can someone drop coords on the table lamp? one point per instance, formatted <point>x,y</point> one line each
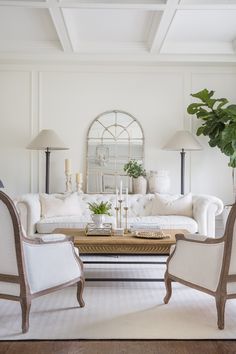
<point>47,140</point>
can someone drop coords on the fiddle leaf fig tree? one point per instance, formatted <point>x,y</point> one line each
<point>218,122</point>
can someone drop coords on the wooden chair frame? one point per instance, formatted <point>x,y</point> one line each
<point>221,292</point>
<point>26,296</point>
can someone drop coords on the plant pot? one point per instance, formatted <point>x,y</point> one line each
<point>98,219</point>
<point>159,181</point>
<point>139,185</point>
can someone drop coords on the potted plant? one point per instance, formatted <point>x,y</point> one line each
<point>99,210</point>
<point>219,124</point>
<point>136,171</point>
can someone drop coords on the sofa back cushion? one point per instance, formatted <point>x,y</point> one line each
<point>173,205</point>
<point>59,205</point>
<point>139,205</point>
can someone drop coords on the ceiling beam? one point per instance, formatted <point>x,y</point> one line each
<point>157,38</point>
<point>148,5</point>
<point>126,5</point>
<point>207,7</point>
<point>60,25</point>
<point>20,3</point>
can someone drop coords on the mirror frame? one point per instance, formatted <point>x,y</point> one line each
<point>115,111</point>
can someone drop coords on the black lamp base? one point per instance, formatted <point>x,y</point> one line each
<point>182,154</point>
<point>47,152</point>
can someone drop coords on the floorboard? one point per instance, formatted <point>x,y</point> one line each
<point>118,347</point>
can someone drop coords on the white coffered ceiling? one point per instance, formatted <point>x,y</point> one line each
<point>119,30</point>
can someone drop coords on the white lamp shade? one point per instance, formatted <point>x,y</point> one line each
<point>183,139</point>
<point>47,139</point>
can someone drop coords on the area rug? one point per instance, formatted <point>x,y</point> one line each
<point>120,310</point>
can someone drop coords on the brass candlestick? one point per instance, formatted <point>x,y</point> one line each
<point>120,208</point>
<point>126,219</point>
<point>117,216</point>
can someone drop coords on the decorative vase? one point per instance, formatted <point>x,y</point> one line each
<point>98,219</point>
<point>139,185</point>
<point>159,181</point>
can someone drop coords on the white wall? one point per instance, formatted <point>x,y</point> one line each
<point>67,98</point>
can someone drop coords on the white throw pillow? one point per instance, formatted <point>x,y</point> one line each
<point>59,205</point>
<point>173,205</point>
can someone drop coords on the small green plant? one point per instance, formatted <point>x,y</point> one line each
<point>100,208</point>
<point>134,169</point>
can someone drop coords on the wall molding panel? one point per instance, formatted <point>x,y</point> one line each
<point>68,97</point>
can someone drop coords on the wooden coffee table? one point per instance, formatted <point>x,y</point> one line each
<point>126,244</point>
<point>122,245</point>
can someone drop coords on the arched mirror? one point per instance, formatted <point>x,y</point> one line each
<point>114,137</point>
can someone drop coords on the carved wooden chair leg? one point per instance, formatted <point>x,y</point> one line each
<point>168,289</point>
<point>80,288</point>
<point>25,308</point>
<point>220,306</point>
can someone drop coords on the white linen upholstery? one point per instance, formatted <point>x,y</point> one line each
<point>9,288</point>
<point>207,265</point>
<point>196,237</point>
<point>190,262</point>
<point>8,264</point>
<point>31,268</point>
<point>165,204</point>
<point>232,266</point>
<point>205,208</point>
<point>49,265</point>
<point>59,205</point>
<point>48,225</point>
<point>54,237</point>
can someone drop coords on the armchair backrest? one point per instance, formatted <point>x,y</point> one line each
<point>11,262</point>
<point>230,243</point>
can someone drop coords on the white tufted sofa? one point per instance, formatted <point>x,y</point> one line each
<point>205,208</point>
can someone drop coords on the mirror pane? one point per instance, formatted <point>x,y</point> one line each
<point>113,139</point>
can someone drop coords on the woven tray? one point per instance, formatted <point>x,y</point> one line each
<point>151,234</point>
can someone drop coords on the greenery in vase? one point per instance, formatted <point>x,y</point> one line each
<point>100,208</point>
<point>218,122</point>
<point>134,169</point>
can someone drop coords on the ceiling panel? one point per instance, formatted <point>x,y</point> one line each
<point>202,30</point>
<point>107,26</point>
<point>18,23</point>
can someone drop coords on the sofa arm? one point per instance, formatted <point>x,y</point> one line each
<point>29,209</point>
<point>205,209</point>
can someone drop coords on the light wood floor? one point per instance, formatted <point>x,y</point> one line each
<point>118,347</point>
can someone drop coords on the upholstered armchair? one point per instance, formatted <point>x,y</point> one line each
<point>31,268</point>
<point>206,264</point>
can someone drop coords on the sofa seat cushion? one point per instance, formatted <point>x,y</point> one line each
<point>168,222</point>
<point>48,225</point>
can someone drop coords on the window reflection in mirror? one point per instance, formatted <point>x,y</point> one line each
<point>114,138</point>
